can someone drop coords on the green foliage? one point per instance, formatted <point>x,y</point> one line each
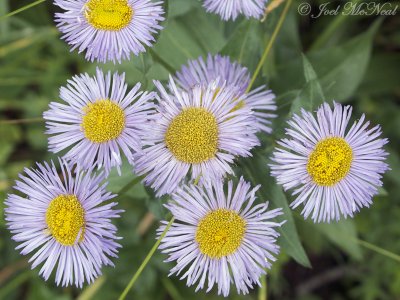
<point>357,67</point>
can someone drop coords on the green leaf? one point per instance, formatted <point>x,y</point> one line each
<point>176,45</point>
<point>343,234</point>
<point>383,74</point>
<point>309,72</point>
<point>255,170</point>
<point>209,36</point>
<point>245,46</point>
<point>182,39</point>
<point>180,7</point>
<point>311,96</point>
<point>341,69</point>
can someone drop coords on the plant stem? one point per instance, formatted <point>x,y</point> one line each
<point>130,185</point>
<point>21,9</point>
<point>379,250</point>
<point>270,43</point>
<point>161,61</point>
<point>262,291</point>
<point>146,261</point>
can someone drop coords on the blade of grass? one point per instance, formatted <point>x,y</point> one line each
<point>270,43</point>
<point>379,250</point>
<point>145,261</point>
<point>21,9</point>
<point>4,27</point>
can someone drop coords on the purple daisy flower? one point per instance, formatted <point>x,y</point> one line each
<point>231,9</point>
<point>109,30</point>
<point>221,69</point>
<point>334,171</point>
<point>98,119</point>
<point>65,220</point>
<point>195,134</point>
<point>221,238</point>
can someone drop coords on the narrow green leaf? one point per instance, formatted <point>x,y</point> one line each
<point>180,7</point>
<point>309,72</point>
<point>311,96</point>
<point>255,170</point>
<point>379,250</point>
<point>339,233</point>
<point>21,9</point>
<point>4,25</point>
<point>383,74</point>
<point>209,36</point>
<point>176,45</point>
<point>245,43</point>
<point>341,69</point>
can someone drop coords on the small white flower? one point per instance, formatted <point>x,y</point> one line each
<point>196,134</point>
<point>334,172</point>
<point>220,238</point>
<point>100,118</point>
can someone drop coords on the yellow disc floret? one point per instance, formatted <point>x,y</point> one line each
<point>220,233</point>
<point>192,136</point>
<point>65,218</point>
<point>112,15</point>
<point>103,121</point>
<point>330,161</point>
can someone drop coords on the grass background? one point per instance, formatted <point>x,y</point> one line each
<point>350,59</point>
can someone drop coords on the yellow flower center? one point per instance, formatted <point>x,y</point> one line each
<point>103,121</point>
<point>220,233</point>
<point>330,161</point>
<point>112,15</point>
<point>65,218</point>
<point>192,136</point>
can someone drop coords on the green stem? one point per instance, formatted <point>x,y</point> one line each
<point>146,261</point>
<point>21,9</point>
<point>161,61</point>
<point>379,250</point>
<point>22,121</point>
<point>270,43</point>
<point>129,185</point>
<point>262,291</point>
<point>329,31</point>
